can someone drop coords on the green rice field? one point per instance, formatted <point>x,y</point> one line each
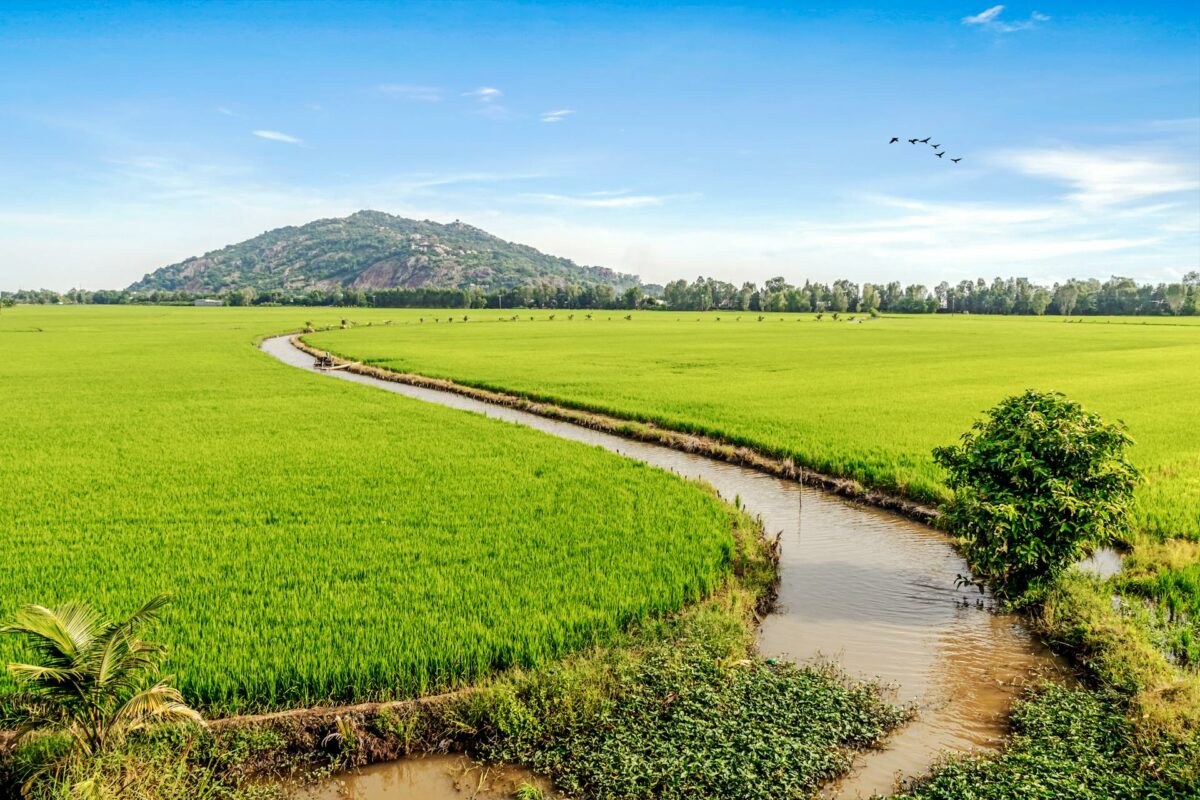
<point>322,541</point>
<point>867,398</point>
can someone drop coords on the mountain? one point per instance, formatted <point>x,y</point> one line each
<point>374,250</point>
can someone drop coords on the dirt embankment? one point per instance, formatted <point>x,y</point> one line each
<point>649,432</point>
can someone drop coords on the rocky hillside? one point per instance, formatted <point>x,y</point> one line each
<point>374,250</point>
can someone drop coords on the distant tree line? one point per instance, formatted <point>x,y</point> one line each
<point>543,295</point>
<point>1114,297</point>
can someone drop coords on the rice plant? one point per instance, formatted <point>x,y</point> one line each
<point>322,542</point>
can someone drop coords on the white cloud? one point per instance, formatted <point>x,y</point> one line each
<point>989,19</point>
<point>405,91</point>
<point>488,102</point>
<point>419,183</point>
<point>227,112</point>
<point>485,94</point>
<point>1105,178</point>
<point>605,199</point>
<point>984,17</point>
<point>557,116</point>
<point>276,136</point>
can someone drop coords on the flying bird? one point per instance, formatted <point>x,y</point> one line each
<point>912,141</point>
<point>894,140</point>
<point>939,155</point>
<point>956,160</point>
<point>935,146</point>
<point>925,140</point>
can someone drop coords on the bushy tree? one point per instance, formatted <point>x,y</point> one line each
<point>1035,484</point>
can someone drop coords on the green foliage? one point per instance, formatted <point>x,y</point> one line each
<point>528,791</point>
<point>1036,483</point>
<point>681,723</point>
<point>1067,745</point>
<point>368,250</point>
<point>142,769</point>
<point>92,682</point>
<point>324,541</point>
<point>1113,638</point>
<point>1168,574</point>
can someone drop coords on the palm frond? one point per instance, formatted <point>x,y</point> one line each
<point>59,635</point>
<point>112,658</point>
<point>161,704</point>
<point>30,673</point>
<point>90,680</point>
<point>148,612</point>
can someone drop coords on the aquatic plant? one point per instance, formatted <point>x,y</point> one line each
<point>1067,743</point>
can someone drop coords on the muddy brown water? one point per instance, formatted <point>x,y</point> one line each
<point>437,777</point>
<point>867,589</point>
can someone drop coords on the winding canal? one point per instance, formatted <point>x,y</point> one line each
<point>868,589</point>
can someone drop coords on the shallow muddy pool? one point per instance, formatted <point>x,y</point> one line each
<point>438,777</point>
<point>870,590</point>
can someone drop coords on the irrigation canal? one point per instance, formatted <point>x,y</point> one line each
<point>871,590</point>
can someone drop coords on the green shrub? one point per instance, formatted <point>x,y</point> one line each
<point>678,724</point>
<point>1035,484</point>
<point>1066,745</point>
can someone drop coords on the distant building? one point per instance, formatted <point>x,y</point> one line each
<point>207,301</point>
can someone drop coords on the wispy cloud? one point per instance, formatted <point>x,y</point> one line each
<point>227,112</point>
<point>488,104</point>
<point>485,94</point>
<point>1106,178</point>
<point>276,136</point>
<point>989,19</point>
<point>603,199</point>
<point>421,183</point>
<point>408,91</point>
<point>984,17</point>
<point>557,116</point>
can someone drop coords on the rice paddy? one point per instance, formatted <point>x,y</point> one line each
<point>866,399</point>
<point>323,542</point>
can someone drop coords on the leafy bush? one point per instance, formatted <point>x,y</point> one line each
<point>1066,744</point>
<point>1035,484</point>
<point>680,723</point>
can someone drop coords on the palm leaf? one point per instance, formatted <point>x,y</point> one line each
<point>60,636</point>
<point>161,703</point>
<point>34,673</point>
<point>147,613</point>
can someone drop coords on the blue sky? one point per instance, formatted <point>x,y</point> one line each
<point>670,141</point>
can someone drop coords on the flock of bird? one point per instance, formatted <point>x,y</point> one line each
<point>935,147</point>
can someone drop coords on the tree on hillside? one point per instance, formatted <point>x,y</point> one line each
<point>1036,483</point>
